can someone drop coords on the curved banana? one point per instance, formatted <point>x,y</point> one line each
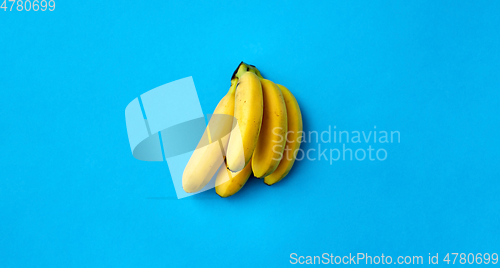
<point>272,137</point>
<point>247,121</point>
<point>209,154</point>
<point>293,138</point>
<point>228,182</point>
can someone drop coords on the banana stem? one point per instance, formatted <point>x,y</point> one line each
<point>255,71</point>
<point>234,83</point>
<point>240,70</point>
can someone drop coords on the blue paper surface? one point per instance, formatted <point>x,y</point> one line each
<point>72,194</point>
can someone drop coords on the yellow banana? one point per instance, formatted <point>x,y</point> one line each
<point>294,134</point>
<point>228,182</point>
<point>272,137</point>
<point>209,154</point>
<point>293,138</point>
<point>247,121</point>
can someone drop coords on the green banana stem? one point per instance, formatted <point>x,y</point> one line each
<point>240,70</point>
<point>255,71</point>
<point>243,68</point>
<point>234,83</point>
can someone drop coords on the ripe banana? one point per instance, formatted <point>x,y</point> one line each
<point>256,127</point>
<point>272,137</point>
<point>294,134</point>
<point>209,154</point>
<point>247,121</point>
<point>228,182</point>
<point>293,140</point>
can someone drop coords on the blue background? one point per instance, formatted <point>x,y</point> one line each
<point>72,195</point>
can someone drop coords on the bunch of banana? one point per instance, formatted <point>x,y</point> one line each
<point>256,128</point>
